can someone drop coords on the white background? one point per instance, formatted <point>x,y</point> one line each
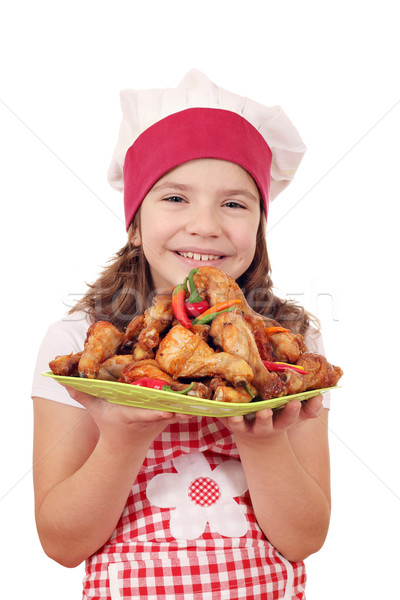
<point>333,234</point>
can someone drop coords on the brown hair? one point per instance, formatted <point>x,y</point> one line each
<point>124,288</point>
<point>257,285</point>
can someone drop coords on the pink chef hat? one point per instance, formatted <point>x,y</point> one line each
<point>162,129</point>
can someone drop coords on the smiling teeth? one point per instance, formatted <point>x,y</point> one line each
<point>196,256</point>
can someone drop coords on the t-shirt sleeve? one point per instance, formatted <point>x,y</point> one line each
<point>66,336</point>
<point>314,343</point>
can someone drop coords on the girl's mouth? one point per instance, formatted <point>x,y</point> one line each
<point>202,257</point>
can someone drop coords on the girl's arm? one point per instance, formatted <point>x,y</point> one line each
<point>85,462</point>
<point>286,460</point>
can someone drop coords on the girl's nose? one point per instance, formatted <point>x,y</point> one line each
<point>205,222</point>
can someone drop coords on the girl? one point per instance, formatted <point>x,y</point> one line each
<point>165,505</point>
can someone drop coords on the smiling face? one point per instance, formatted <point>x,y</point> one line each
<point>203,212</point>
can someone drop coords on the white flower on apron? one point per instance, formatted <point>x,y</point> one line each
<point>200,495</point>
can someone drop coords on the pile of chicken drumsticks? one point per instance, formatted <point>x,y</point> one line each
<point>228,352</point>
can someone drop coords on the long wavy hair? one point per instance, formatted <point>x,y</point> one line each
<point>124,288</point>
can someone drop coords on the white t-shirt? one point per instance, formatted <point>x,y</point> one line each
<point>63,337</point>
<point>69,334</point>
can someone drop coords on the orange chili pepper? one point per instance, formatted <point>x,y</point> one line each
<point>272,330</point>
<point>221,306</point>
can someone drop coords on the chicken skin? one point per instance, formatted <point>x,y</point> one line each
<point>215,286</point>
<point>257,326</point>
<point>111,369</point>
<point>139,354</point>
<point>283,346</point>
<point>287,346</point>
<point>102,341</point>
<point>319,372</point>
<point>157,318</point>
<point>66,365</point>
<point>133,329</point>
<point>184,354</point>
<point>151,369</point>
<point>231,333</point>
<point>225,393</point>
<point>144,368</point>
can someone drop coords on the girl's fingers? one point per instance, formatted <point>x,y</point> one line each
<point>85,399</point>
<point>312,407</point>
<point>182,416</point>
<point>264,416</point>
<point>127,413</point>
<point>263,423</point>
<point>266,422</point>
<point>287,416</point>
<point>236,424</point>
<point>259,423</point>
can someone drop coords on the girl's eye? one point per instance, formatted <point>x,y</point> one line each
<point>233,204</point>
<point>174,199</point>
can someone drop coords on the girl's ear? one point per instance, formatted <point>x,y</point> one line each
<point>136,239</point>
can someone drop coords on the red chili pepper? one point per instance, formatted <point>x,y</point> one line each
<point>160,384</point>
<point>281,366</point>
<point>195,305</point>
<point>196,309</point>
<point>149,382</point>
<point>178,305</point>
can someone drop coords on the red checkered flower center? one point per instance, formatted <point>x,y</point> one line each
<point>204,491</point>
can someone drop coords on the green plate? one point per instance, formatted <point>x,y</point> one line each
<point>133,395</point>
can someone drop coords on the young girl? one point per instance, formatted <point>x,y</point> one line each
<point>164,505</point>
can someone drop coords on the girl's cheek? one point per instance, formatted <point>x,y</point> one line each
<point>246,239</point>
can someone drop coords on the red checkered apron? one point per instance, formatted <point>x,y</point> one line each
<point>144,559</point>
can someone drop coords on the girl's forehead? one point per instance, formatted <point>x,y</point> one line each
<point>208,170</point>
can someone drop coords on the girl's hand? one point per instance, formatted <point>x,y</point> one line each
<point>119,421</point>
<point>269,424</point>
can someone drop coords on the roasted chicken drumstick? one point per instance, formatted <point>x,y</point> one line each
<point>102,341</point>
<point>231,333</point>
<point>216,286</point>
<point>151,369</point>
<point>67,364</point>
<point>156,319</point>
<point>184,354</point>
